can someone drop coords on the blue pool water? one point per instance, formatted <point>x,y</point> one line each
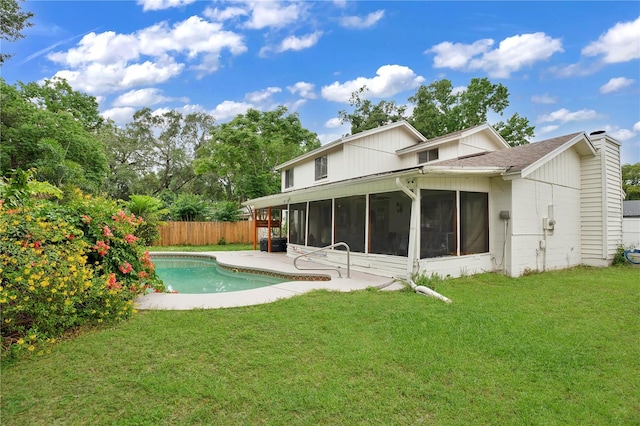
<point>199,276</point>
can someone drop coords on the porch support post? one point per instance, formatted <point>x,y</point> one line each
<point>255,228</point>
<point>269,230</point>
<point>414,226</point>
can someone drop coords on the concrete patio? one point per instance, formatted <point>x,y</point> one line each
<point>263,262</point>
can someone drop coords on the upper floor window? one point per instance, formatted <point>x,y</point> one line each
<point>321,167</point>
<point>288,178</point>
<point>426,156</point>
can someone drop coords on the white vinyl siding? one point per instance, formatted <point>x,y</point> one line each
<point>631,232</point>
<point>562,170</point>
<point>601,203</point>
<point>375,154</point>
<point>534,248</point>
<point>613,179</point>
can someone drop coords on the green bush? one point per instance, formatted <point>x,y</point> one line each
<point>619,258</point>
<point>432,281</point>
<point>152,210</point>
<point>63,266</point>
<point>226,211</point>
<point>190,208</point>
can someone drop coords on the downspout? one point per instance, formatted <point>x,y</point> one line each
<point>411,253</point>
<point>411,264</point>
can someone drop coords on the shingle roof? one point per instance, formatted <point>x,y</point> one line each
<point>631,208</point>
<point>513,159</point>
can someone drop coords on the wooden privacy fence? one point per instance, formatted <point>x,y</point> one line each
<point>202,233</point>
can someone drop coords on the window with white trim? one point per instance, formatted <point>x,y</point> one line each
<point>321,167</point>
<point>428,155</point>
<point>288,178</point>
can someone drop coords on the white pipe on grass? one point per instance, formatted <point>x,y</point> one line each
<point>426,291</point>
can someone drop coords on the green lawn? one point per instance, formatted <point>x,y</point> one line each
<point>559,348</point>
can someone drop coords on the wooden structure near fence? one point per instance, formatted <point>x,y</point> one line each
<point>205,233</point>
<point>269,218</point>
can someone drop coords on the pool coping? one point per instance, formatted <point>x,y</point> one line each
<point>299,276</point>
<point>253,261</point>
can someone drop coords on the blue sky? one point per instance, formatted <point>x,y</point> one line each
<point>569,66</point>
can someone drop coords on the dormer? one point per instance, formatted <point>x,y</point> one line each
<point>472,141</point>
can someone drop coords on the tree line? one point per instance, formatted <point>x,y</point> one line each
<point>60,133</point>
<point>191,161</point>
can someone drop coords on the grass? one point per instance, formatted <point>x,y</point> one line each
<point>558,348</point>
<point>212,247</point>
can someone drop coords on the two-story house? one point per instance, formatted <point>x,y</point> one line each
<point>459,204</point>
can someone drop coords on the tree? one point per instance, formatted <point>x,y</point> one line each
<point>57,96</point>
<point>366,116</point>
<point>440,110</point>
<point>631,181</point>
<point>12,21</point>
<point>435,113</point>
<point>167,143</point>
<point>35,133</point>
<point>244,151</point>
<point>226,211</point>
<point>130,162</point>
<point>516,131</point>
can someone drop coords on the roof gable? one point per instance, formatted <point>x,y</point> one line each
<point>454,136</point>
<point>521,160</point>
<point>337,143</point>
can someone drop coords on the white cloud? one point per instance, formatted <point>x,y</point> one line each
<point>457,55</point>
<point>262,95</point>
<point>543,99</point>
<point>105,62</point>
<point>564,116</point>
<point>359,23</point>
<point>621,43</point>
<point>162,4</point>
<point>100,79</point>
<point>325,138</point>
<point>229,109</point>
<point>299,43</point>
<point>273,14</point>
<point>616,84</point>
<point>389,80</point>
<point>105,48</point>
<point>224,14</point>
<point>304,89</point>
<point>121,115</point>
<point>547,129</point>
<point>512,54</point>
<point>574,70</point>
<point>143,97</point>
<point>622,134</point>
<point>292,106</point>
<point>636,127</point>
<point>332,123</point>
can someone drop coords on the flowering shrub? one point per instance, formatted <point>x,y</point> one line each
<point>64,266</point>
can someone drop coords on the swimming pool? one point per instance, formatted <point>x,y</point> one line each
<point>200,275</point>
